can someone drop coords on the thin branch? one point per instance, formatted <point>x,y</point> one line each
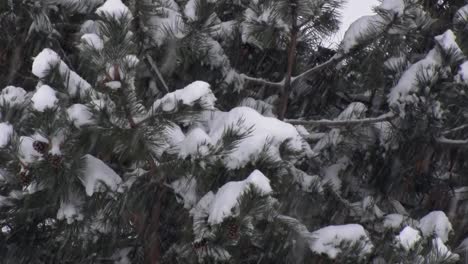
<point>336,123</point>
<point>154,67</point>
<point>452,142</point>
<point>335,59</point>
<point>262,81</point>
<point>455,129</point>
<point>279,85</point>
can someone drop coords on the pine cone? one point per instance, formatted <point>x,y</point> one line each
<point>200,244</point>
<point>40,146</point>
<point>25,178</point>
<point>54,160</point>
<point>233,231</point>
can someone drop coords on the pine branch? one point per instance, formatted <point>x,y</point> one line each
<point>454,129</point>
<point>261,81</point>
<point>335,123</point>
<point>452,142</point>
<point>154,67</point>
<point>307,73</point>
<point>333,60</point>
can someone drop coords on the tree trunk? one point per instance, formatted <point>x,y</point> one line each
<point>284,97</point>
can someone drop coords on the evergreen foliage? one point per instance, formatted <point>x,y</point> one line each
<point>202,131</point>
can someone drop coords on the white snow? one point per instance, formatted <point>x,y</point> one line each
<point>448,42</point>
<point>131,61</point>
<point>168,24</point>
<point>360,30</point>
<point>190,9</point>
<point>440,250</point>
<point>96,172</point>
<point>70,211</point>
<point>12,95</point>
<point>462,15</point>
<point>186,187</point>
<point>436,223</point>
<point>227,196</point>
<point>6,131</point>
<point>48,59</point>
<point>462,76</point>
<point>264,130</point>
<point>408,80</point>
<point>332,173</point>
<point>90,27</point>
<point>196,142</point>
<point>26,151</point>
<point>114,85</point>
<point>55,143</point>
<point>80,115</point>
<point>196,91</point>
<point>327,240</point>
<point>44,98</point>
<point>114,8</point>
<point>44,62</point>
<point>393,221</point>
<point>93,40</point>
<point>408,238</point>
<point>395,6</point>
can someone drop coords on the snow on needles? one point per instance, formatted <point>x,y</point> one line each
<point>96,172</point>
<point>328,240</point>
<point>197,91</point>
<point>368,26</point>
<point>436,223</point>
<point>265,132</point>
<point>408,238</point>
<point>408,81</point>
<point>12,96</point>
<point>44,62</point>
<point>93,40</point>
<point>80,115</point>
<point>6,130</point>
<point>227,196</point>
<point>395,6</point>
<point>462,76</point>
<point>113,8</point>
<point>47,60</point>
<point>447,42</point>
<point>44,98</point>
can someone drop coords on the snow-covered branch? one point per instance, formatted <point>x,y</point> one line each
<point>262,81</point>
<point>335,59</point>
<point>452,142</point>
<point>154,68</point>
<point>334,123</point>
<point>280,84</point>
<point>454,129</point>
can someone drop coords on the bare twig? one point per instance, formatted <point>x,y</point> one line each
<point>154,67</point>
<point>263,81</point>
<point>336,123</point>
<point>454,129</point>
<point>452,142</point>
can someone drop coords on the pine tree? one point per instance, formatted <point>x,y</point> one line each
<point>157,133</point>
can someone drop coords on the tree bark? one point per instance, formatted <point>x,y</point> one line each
<point>284,97</point>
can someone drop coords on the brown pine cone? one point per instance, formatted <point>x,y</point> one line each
<point>233,230</point>
<point>25,178</point>
<point>54,160</point>
<point>40,146</point>
<point>200,244</point>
